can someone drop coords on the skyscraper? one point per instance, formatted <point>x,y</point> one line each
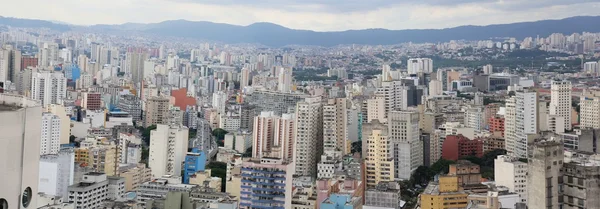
<point>590,109</point>
<point>285,79</point>
<point>404,137</point>
<point>379,161</point>
<point>48,87</point>
<point>521,122</point>
<point>157,111</point>
<point>48,54</point>
<point>335,142</point>
<point>168,147</point>
<point>20,141</point>
<point>309,136</point>
<point>135,62</point>
<point>51,132</point>
<point>245,78</point>
<point>420,65</point>
<point>543,177</point>
<point>560,101</point>
<point>10,64</point>
<point>273,136</point>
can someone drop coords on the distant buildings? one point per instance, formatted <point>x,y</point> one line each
<point>560,103</point>
<point>48,87</point>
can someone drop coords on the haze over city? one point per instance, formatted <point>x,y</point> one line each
<point>314,104</point>
<point>329,15</point>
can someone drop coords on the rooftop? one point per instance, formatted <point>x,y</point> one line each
<point>5,107</point>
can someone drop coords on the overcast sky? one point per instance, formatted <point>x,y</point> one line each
<point>319,15</point>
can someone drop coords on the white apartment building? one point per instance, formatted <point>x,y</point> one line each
<point>309,136</point>
<point>376,110</point>
<point>592,68</point>
<point>21,133</point>
<point>91,192</point>
<point>435,88</point>
<point>590,110</point>
<point>420,65</point>
<point>511,173</point>
<point>219,99</point>
<point>48,87</point>
<point>238,141</point>
<point>404,137</point>
<point>51,134</point>
<point>284,79</point>
<point>520,122</point>
<point>57,172</point>
<point>560,101</point>
<point>475,118</point>
<point>168,147</point>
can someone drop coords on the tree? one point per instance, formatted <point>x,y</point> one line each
<point>219,134</point>
<point>146,133</point>
<point>218,169</point>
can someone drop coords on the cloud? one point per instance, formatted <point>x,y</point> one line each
<point>320,15</point>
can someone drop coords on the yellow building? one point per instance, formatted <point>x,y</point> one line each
<point>233,183</point>
<point>203,178</point>
<point>444,194</point>
<point>100,158</point>
<point>378,161</point>
<point>135,175</point>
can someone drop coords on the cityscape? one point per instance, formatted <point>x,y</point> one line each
<point>173,116</point>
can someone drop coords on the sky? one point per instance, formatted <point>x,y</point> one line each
<point>318,15</point>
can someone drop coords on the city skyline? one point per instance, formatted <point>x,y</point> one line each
<point>309,15</point>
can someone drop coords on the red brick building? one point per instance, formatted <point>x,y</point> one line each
<point>92,101</point>
<point>27,61</point>
<point>458,146</point>
<point>181,98</point>
<point>496,124</point>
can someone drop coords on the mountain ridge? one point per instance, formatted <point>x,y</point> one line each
<point>274,35</point>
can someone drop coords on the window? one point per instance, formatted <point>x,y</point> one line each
<point>26,198</point>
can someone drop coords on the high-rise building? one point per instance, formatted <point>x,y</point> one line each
<point>91,100</point>
<point>544,175</point>
<point>284,79</point>
<point>48,87</point>
<point>590,109</point>
<point>560,101</point>
<point>511,173</point>
<point>386,74</point>
<point>273,136</point>
<point>10,64</point>
<point>379,161</point>
<point>135,65</point>
<point>521,122</point>
<point>404,137</point>
<point>51,134</point>
<point>400,95</point>
<point>48,54</point>
<point>195,161</point>
<point>245,80</point>
<point>168,146</point>
<point>335,140</point>
<point>274,178</point>
<point>28,61</point>
<point>475,118</point>
<point>376,110</point>
<point>21,133</point>
<point>309,136</point>
<point>435,88</point>
<point>157,111</point>
<point>419,65</point>
<point>65,124</point>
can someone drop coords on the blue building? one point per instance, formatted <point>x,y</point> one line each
<point>194,161</point>
<point>337,201</point>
